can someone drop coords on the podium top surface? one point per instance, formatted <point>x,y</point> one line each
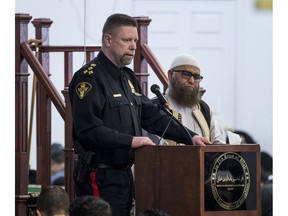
<point>210,148</point>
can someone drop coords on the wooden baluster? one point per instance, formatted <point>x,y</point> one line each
<point>140,64</point>
<point>43,109</point>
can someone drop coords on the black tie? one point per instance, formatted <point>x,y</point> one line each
<point>128,92</point>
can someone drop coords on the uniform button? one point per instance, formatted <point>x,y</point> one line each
<point>131,104</point>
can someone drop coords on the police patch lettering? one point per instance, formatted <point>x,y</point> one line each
<point>82,89</point>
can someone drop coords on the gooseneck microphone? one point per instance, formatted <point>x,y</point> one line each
<point>156,90</point>
<point>165,107</point>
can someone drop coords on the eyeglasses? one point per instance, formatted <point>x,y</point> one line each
<point>187,75</point>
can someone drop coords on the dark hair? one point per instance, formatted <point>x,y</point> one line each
<point>266,166</point>
<point>117,20</point>
<point>89,206</point>
<point>267,162</point>
<point>153,212</point>
<point>53,200</point>
<point>57,153</point>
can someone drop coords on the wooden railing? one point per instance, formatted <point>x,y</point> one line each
<point>47,94</point>
<point>35,65</point>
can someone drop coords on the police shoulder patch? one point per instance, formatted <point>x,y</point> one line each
<point>82,89</point>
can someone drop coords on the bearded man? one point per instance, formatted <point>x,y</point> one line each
<point>184,98</point>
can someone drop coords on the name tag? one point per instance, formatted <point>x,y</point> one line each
<point>117,95</point>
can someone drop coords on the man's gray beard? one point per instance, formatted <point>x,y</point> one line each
<point>183,96</point>
<point>125,60</point>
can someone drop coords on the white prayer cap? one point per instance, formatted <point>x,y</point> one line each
<point>184,59</point>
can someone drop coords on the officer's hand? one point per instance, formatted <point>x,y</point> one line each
<point>141,141</point>
<point>198,140</point>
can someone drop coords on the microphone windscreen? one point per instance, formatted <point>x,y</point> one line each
<point>154,88</point>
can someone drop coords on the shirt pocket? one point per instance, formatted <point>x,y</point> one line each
<point>118,102</point>
<point>120,112</point>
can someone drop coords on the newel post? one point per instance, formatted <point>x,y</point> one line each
<point>140,64</point>
<point>43,108</point>
<point>21,116</point>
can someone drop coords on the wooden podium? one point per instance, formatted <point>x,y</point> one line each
<point>210,180</point>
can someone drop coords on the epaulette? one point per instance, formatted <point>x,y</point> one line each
<point>89,69</point>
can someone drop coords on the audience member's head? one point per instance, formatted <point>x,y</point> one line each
<point>153,212</point>
<point>57,153</point>
<point>266,167</point>
<point>57,164</point>
<point>53,200</point>
<point>89,206</point>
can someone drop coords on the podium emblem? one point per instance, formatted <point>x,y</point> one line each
<point>230,180</point>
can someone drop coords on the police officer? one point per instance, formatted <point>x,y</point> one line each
<point>109,112</point>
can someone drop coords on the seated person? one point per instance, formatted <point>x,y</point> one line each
<point>267,184</point>
<point>53,201</point>
<point>184,98</point>
<point>57,164</point>
<point>153,212</point>
<point>89,206</point>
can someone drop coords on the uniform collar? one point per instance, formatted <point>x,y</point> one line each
<point>113,70</point>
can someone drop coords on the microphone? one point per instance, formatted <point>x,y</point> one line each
<point>156,90</point>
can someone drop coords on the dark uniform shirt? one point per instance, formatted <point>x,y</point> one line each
<point>106,117</point>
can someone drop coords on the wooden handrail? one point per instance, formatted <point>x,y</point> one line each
<point>43,78</point>
<point>154,64</point>
<point>49,48</point>
<point>145,51</point>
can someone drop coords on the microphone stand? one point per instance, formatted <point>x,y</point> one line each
<point>170,119</point>
<point>169,112</point>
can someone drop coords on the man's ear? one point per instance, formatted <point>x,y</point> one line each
<point>170,74</point>
<point>107,40</point>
